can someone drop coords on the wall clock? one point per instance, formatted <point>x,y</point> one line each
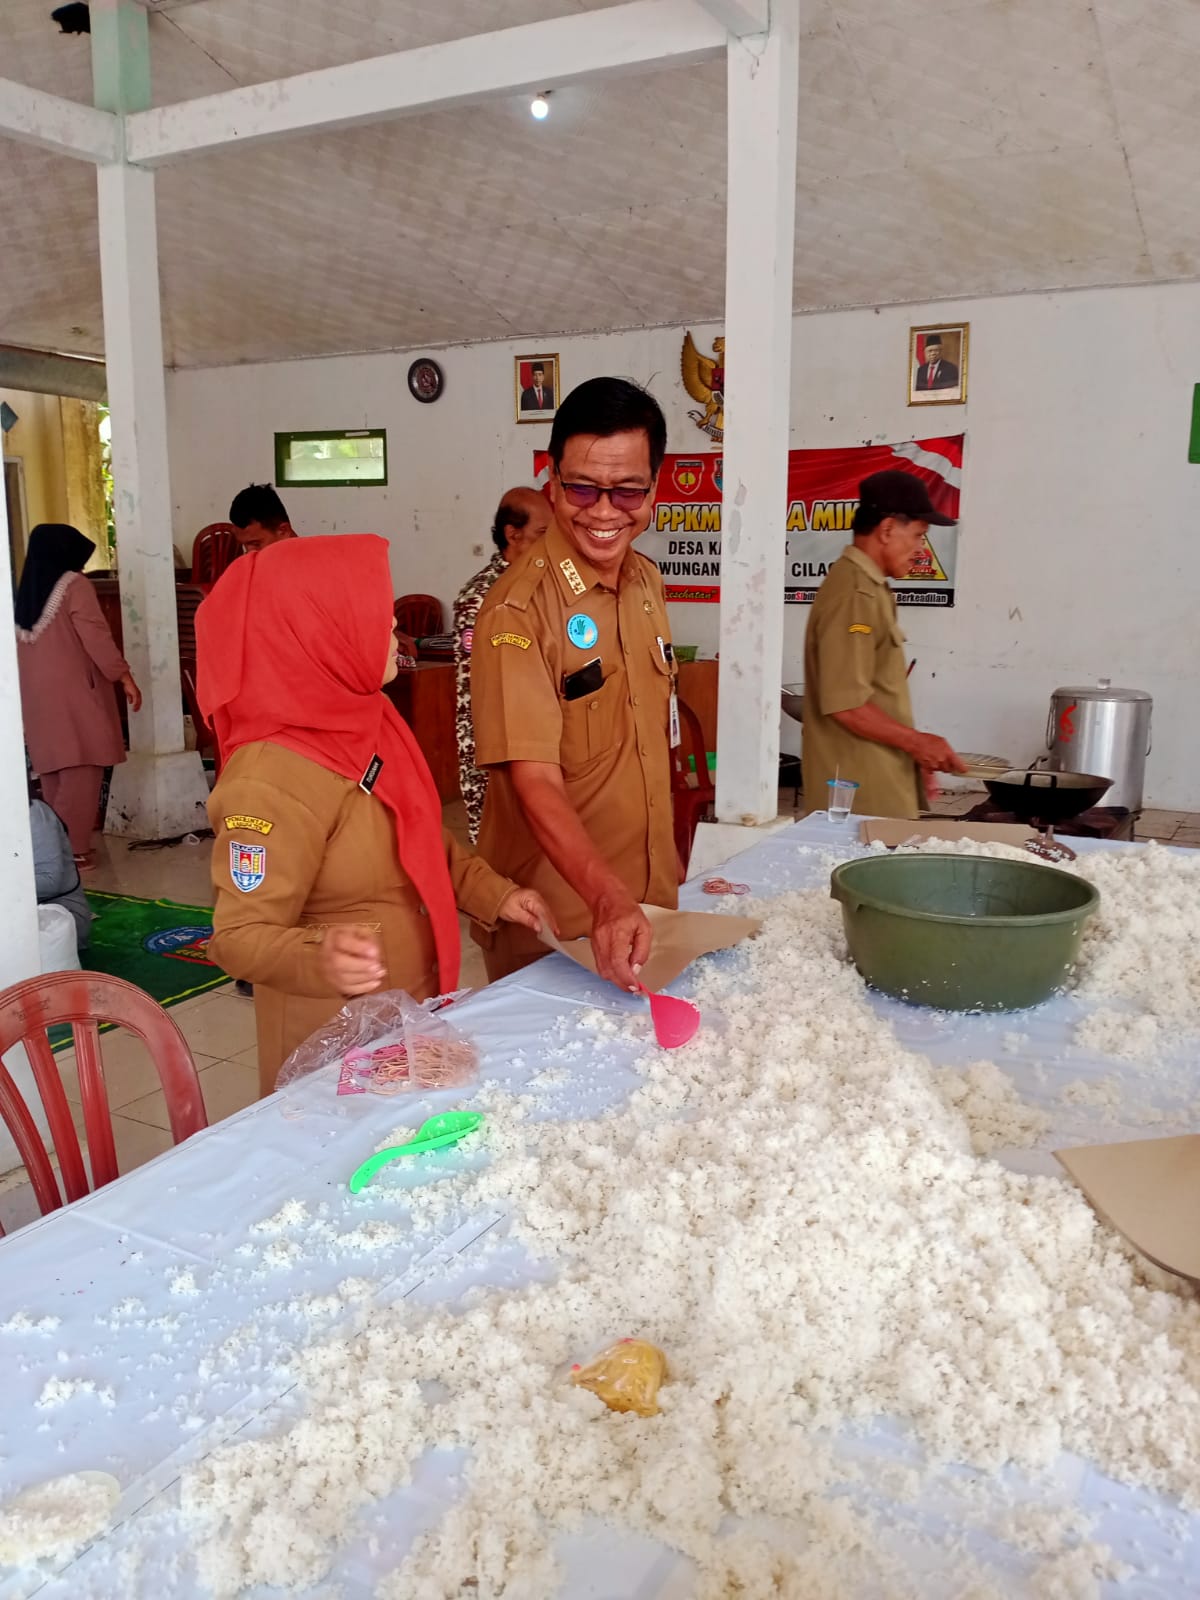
<point>425,380</point>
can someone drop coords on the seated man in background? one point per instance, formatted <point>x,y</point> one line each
<point>858,717</point>
<point>55,875</point>
<point>260,517</point>
<point>522,517</point>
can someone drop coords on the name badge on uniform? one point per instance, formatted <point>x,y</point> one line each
<point>371,776</point>
<point>676,736</point>
<point>582,631</point>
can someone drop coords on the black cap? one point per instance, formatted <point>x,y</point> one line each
<point>897,494</point>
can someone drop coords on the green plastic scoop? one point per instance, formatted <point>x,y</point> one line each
<point>435,1134</point>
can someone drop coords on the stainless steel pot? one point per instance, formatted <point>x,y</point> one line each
<point>1103,730</point>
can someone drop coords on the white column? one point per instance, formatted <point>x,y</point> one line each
<point>763,77</point>
<point>19,955</point>
<point>18,925</point>
<point>160,791</point>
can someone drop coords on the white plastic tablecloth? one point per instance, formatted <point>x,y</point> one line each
<point>139,1283</point>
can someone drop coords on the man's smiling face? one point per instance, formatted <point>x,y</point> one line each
<point>603,532</point>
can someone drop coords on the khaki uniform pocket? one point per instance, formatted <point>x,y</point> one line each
<point>588,726</point>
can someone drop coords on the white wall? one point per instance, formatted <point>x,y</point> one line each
<point>1080,547</point>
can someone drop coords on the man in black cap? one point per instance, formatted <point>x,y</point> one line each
<point>858,721</point>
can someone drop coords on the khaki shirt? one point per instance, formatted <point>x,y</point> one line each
<point>854,653</point>
<point>311,850</point>
<point>612,745</point>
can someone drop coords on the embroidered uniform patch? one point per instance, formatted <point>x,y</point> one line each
<point>247,865</point>
<point>511,638</point>
<point>249,825</point>
<point>571,573</point>
<point>582,631</point>
<point>859,627</point>
<point>468,639</point>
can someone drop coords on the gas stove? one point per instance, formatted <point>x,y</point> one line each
<point>1101,822</point>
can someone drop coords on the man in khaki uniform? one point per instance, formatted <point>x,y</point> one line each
<point>858,719</point>
<point>572,684</point>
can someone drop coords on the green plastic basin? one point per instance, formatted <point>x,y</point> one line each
<point>963,933</point>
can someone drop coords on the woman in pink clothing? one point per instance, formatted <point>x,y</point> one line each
<point>68,663</point>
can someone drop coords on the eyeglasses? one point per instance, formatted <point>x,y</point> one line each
<point>621,499</point>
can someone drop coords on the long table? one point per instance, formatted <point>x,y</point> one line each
<point>131,1290</point>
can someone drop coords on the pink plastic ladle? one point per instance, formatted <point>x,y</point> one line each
<point>675,1021</point>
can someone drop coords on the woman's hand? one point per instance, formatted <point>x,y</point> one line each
<point>132,693</point>
<point>527,907</point>
<point>352,961</point>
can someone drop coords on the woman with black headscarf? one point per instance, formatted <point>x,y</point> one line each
<point>68,663</point>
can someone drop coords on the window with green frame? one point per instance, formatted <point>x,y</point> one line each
<point>331,459</point>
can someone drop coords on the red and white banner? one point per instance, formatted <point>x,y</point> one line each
<point>684,536</point>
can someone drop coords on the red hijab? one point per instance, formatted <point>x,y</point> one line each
<point>292,644</point>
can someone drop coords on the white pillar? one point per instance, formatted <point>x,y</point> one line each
<point>19,955</point>
<point>18,925</point>
<point>160,791</point>
<point>763,75</point>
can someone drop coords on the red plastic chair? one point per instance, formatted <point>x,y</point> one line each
<point>692,790</point>
<point>86,999</point>
<point>419,615</point>
<point>213,549</point>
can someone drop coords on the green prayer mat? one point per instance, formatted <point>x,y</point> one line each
<point>157,944</point>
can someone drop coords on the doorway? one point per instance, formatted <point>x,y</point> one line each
<point>18,515</point>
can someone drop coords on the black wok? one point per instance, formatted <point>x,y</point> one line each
<point>1047,797</point>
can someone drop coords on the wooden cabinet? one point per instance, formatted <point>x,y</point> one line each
<point>424,696</point>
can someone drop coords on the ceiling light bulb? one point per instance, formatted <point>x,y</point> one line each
<point>539,107</point>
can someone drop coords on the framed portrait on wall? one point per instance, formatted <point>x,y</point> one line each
<point>937,364</point>
<point>536,380</point>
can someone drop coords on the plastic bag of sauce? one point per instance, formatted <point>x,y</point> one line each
<point>626,1376</point>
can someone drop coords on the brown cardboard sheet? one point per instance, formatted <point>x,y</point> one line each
<point>679,937</point>
<point>1149,1190</point>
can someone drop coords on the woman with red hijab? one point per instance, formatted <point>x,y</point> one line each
<point>333,874</point>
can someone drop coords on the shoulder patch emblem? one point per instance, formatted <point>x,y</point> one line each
<point>859,627</point>
<point>247,865</point>
<point>511,638</point>
<point>571,573</point>
<point>249,825</point>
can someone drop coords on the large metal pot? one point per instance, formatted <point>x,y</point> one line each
<point>1102,730</point>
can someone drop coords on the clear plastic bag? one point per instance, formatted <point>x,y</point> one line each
<point>626,1376</point>
<point>387,1044</point>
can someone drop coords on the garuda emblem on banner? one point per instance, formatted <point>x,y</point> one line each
<point>704,380</point>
